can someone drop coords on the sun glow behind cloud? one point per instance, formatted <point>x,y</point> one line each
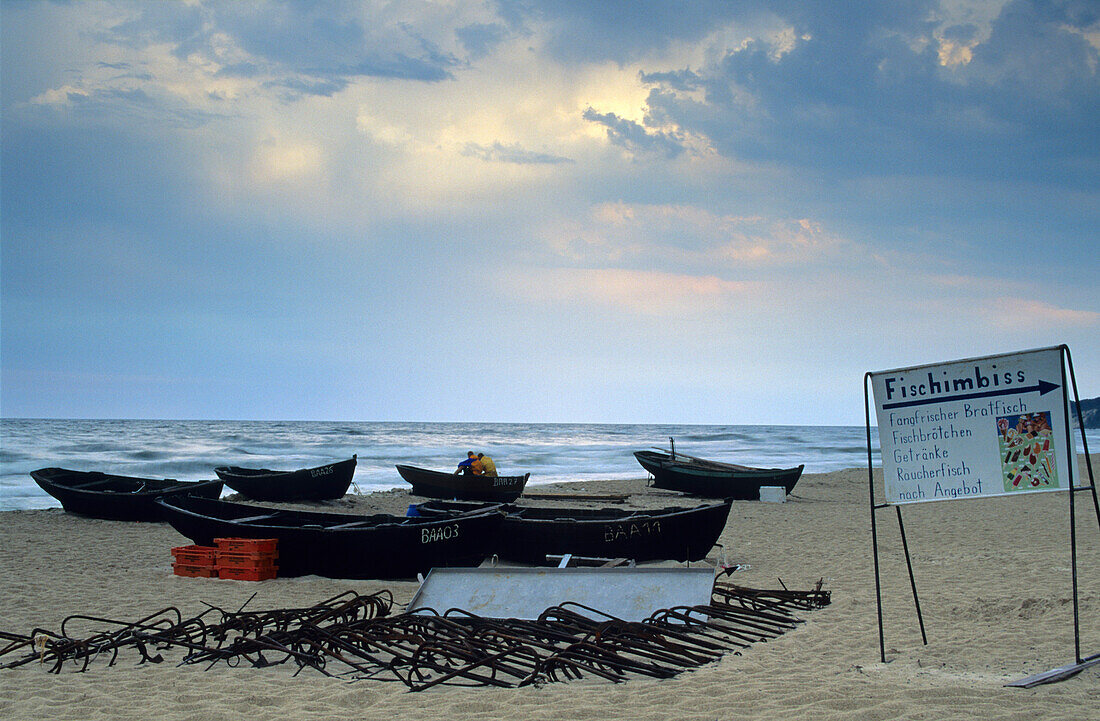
<point>475,136</point>
<point>282,160</point>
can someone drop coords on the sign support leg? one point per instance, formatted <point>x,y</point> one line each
<point>1081,663</point>
<point>878,584</point>
<point>874,525</point>
<point>912,579</point>
<point>1072,495</point>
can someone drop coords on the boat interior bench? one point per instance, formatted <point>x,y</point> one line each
<point>250,519</point>
<point>92,484</point>
<point>352,524</point>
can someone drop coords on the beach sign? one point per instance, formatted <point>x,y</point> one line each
<point>990,426</point>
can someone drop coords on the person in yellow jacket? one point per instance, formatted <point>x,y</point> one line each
<point>487,464</point>
<point>471,466</point>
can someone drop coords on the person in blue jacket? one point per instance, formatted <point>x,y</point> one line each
<point>470,466</point>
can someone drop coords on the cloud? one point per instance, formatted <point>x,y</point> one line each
<point>1026,306</point>
<point>897,91</point>
<point>643,292</point>
<point>117,104</point>
<point>692,237</point>
<point>185,63</point>
<point>1010,313</point>
<point>280,160</point>
<point>381,131</point>
<point>634,137</point>
<point>64,95</point>
<point>579,32</point>
<point>306,85</point>
<point>311,46</point>
<point>480,39</point>
<point>513,153</point>
<point>236,72</point>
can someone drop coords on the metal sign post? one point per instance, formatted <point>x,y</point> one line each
<point>975,428</point>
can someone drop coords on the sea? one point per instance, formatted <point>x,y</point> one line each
<point>550,452</point>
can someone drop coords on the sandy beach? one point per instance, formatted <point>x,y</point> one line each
<point>994,577</point>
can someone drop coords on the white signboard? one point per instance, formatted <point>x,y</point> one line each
<point>992,426</point>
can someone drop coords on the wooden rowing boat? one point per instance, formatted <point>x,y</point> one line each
<point>713,479</point>
<point>437,484</point>
<point>116,498</point>
<point>340,545</point>
<point>529,534</point>
<point>305,484</point>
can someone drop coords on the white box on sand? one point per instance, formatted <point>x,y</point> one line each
<point>773,494</point>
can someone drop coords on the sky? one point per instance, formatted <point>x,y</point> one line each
<point>559,211</point>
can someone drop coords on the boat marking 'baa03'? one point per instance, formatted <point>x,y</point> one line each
<point>441,533</point>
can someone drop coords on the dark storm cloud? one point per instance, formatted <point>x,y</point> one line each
<point>863,91</point>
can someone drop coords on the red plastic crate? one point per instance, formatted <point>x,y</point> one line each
<point>247,545</point>
<point>195,555</point>
<point>246,560</point>
<point>194,571</point>
<point>247,574</point>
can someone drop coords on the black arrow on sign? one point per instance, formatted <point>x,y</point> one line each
<point>1043,387</point>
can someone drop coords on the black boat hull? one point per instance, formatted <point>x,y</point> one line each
<point>693,478</point>
<point>322,483</point>
<point>436,484</point>
<point>116,498</point>
<point>338,545</point>
<point>529,534</point>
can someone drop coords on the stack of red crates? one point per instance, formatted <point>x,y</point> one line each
<point>195,561</point>
<point>247,559</point>
<point>241,559</point>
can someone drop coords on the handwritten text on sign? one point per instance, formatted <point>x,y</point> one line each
<point>988,426</point>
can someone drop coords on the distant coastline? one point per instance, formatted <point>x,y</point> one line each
<point>1090,413</point>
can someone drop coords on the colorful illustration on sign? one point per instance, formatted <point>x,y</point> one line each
<point>1027,454</point>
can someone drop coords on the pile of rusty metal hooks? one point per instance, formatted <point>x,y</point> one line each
<point>356,637</point>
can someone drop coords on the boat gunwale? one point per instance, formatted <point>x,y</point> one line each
<point>257,473</point>
<point>392,521</point>
<point>170,485</point>
<point>665,460</point>
<point>636,515</point>
<point>446,474</point>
